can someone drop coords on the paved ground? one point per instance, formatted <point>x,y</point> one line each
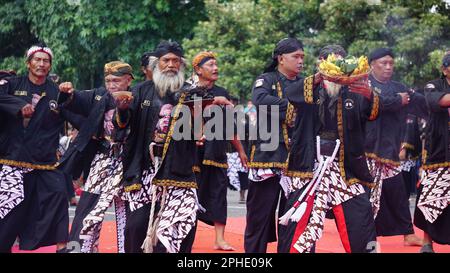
<point>204,241</point>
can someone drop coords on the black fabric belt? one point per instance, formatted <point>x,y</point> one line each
<point>329,135</point>
<point>158,149</point>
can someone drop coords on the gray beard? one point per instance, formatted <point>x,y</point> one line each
<point>332,88</point>
<point>167,81</point>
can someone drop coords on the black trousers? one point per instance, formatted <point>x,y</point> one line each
<point>136,231</point>
<point>136,228</point>
<point>262,201</point>
<point>243,179</point>
<point>212,194</point>
<point>69,185</point>
<point>354,221</point>
<point>410,179</point>
<point>394,216</point>
<point>85,205</point>
<point>42,218</point>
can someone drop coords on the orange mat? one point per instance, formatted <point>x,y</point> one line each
<point>204,240</point>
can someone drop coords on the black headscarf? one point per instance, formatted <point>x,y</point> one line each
<point>380,53</point>
<point>446,60</point>
<point>166,47</point>
<point>284,46</point>
<point>145,58</point>
<point>445,63</point>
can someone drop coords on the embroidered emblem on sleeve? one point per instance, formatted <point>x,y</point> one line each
<point>259,83</point>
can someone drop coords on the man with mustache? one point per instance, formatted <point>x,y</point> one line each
<point>34,205</point>
<point>99,138</point>
<point>158,177</point>
<point>333,112</point>
<point>386,140</point>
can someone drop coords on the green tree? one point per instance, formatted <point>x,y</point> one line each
<point>417,31</point>
<point>244,34</point>
<point>86,34</point>
<point>15,35</point>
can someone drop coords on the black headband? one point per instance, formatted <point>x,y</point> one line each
<point>204,60</point>
<point>287,45</point>
<point>284,46</point>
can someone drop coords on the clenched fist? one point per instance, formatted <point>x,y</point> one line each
<point>66,87</point>
<point>27,111</point>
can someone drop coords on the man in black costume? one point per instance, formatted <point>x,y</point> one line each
<point>329,173</point>
<point>385,141</point>
<point>268,155</point>
<point>158,166</point>
<point>33,202</point>
<point>213,179</point>
<point>432,213</point>
<point>99,138</point>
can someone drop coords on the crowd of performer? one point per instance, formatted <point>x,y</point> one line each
<point>311,149</point>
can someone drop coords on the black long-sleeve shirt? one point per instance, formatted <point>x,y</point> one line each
<point>270,90</point>
<point>437,133</point>
<point>33,146</point>
<point>384,136</point>
<point>352,113</point>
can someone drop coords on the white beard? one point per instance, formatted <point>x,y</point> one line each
<point>332,88</point>
<point>167,81</point>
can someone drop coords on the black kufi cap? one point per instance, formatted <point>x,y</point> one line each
<point>380,53</point>
<point>166,47</point>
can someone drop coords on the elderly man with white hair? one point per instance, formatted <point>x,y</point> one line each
<point>158,176</point>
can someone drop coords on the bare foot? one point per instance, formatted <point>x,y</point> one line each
<point>224,246</point>
<point>412,240</point>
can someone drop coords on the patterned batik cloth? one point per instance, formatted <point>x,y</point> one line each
<point>11,178</point>
<point>176,217</point>
<point>435,194</point>
<point>11,188</point>
<point>104,179</point>
<point>260,174</point>
<point>407,165</point>
<point>234,166</point>
<point>137,199</point>
<point>380,172</point>
<point>331,191</point>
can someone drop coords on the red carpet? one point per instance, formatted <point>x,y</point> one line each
<point>204,241</point>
